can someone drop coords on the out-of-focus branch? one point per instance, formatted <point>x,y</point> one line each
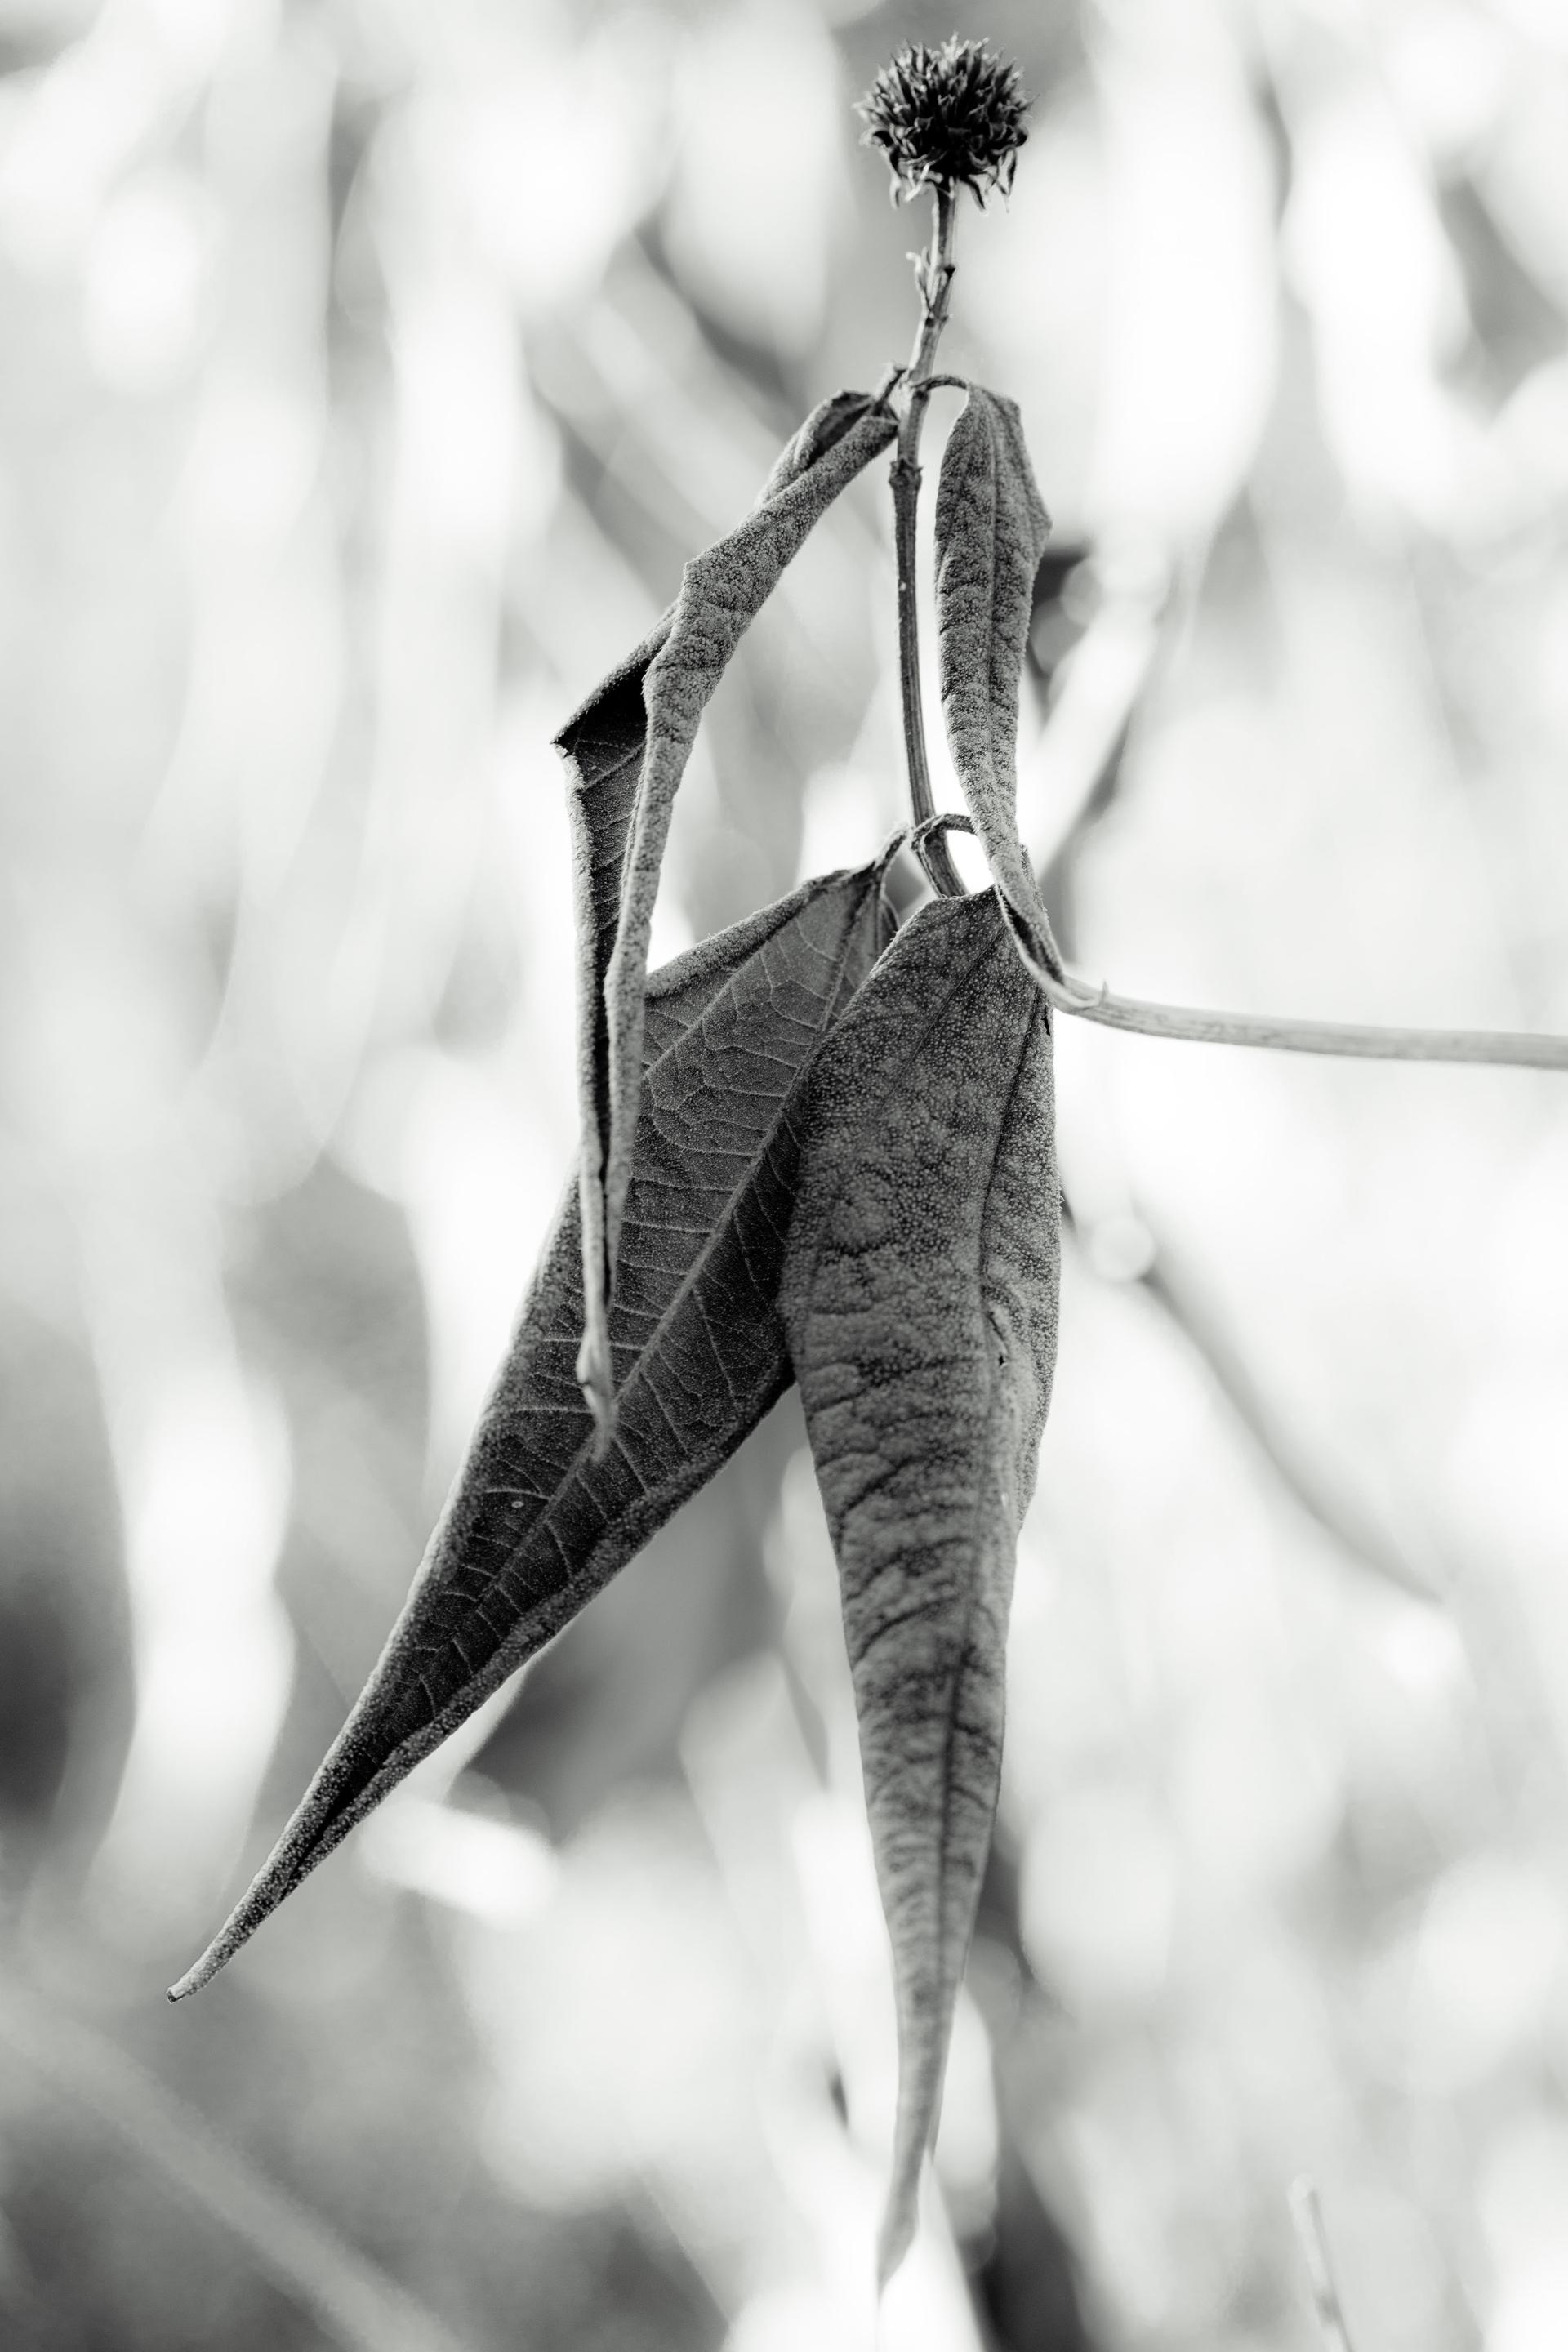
<point>1181,1298</point>
<point>1102,686</point>
<point>1307,2214</point>
<point>1105,684</point>
<point>1498,1648</point>
<point>1176,1291</point>
<point>354,2301</point>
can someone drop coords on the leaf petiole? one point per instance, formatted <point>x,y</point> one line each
<point>1342,1040</point>
<point>1505,1048</point>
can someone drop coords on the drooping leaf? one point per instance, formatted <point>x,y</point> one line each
<point>990,531</point>
<point>627,750</point>
<point>920,1305</point>
<point>537,1522</point>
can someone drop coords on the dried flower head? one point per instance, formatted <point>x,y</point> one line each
<point>951,118</point>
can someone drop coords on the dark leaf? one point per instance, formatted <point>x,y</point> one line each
<point>991,530</point>
<point>920,1304</point>
<point>537,1523</point>
<point>627,750</point>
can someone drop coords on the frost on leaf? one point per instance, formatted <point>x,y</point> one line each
<point>920,1304</point>
<point>990,531</point>
<point>537,1523</point>
<point>627,750</point>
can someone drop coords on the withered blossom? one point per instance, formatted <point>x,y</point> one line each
<point>951,117</point>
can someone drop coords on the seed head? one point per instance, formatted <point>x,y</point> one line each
<point>951,118</point>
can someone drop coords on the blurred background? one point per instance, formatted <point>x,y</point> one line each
<point>369,370</point>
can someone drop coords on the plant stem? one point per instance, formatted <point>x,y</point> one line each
<point>1516,1049</point>
<point>934,274</point>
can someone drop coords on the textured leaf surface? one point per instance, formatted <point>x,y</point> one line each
<point>537,1523</point>
<point>919,1303</point>
<point>627,750</point>
<point>990,531</point>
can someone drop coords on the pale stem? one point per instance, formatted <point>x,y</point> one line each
<point>935,274</point>
<point>1510,1048</point>
<point>1345,1040</point>
<point>1064,990</point>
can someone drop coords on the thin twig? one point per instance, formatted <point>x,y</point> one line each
<point>1510,1048</point>
<point>1343,1040</point>
<point>934,273</point>
<point>352,2300</point>
<point>1307,2214</point>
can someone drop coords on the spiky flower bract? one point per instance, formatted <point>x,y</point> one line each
<point>947,118</point>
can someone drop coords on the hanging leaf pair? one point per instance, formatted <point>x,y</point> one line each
<point>811,1151</point>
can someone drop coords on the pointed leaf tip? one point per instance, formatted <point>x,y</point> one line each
<point>202,1971</point>
<point>920,1304</point>
<point>543,1516</point>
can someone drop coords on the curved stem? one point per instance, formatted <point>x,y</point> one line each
<point>934,273</point>
<point>1503,1048</point>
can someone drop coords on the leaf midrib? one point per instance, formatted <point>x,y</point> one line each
<point>993,1376</point>
<point>637,1379</point>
